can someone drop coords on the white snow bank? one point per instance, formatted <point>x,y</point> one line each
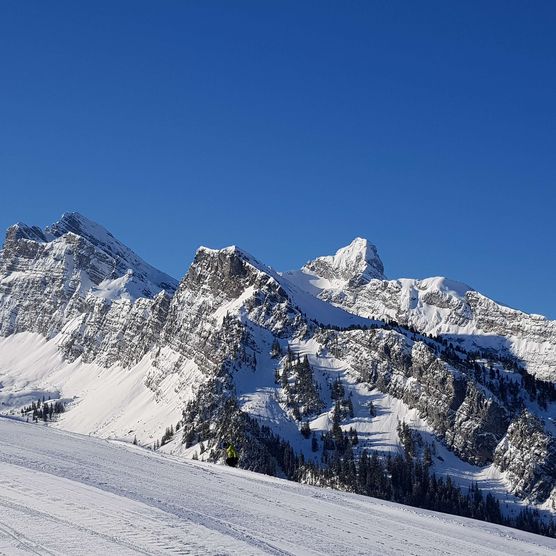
<point>65,493</point>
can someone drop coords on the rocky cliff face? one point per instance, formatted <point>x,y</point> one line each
<point>72,269</point>
<point>111,332</point>
<point>468,417</point>
<point>294,352</point>
<point>528,456</point>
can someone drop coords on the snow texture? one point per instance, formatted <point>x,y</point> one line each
<point>62,493</point>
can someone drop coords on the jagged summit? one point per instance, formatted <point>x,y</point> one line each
<point>101,238</point>
<point>237,251</point>
<point>102,265</point>
<point>356,263</point>
<point>23,231</point>
<point>230,250</point>
<point>80,225</point>
<point>147,280</point>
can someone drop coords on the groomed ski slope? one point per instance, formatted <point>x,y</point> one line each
<point>62,493</point>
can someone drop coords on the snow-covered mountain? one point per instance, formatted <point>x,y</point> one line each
<point>48,277</point>
<point>353,279</point>
<point>305,371</point>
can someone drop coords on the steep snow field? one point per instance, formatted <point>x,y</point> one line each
<point>62,493</point>
<point>109,402</point>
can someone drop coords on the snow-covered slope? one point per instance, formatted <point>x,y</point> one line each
<point>66,494</point>
<point>236,346</point>
<point>354,280</point>
<point>110,401</point>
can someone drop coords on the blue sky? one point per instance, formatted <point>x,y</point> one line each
<point>289,128</point>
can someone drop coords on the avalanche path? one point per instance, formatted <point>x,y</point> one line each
<point>62,493</point>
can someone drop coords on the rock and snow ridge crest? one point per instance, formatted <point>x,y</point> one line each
<point>234,250</point>
<point>127,275</point>
<point>357,262</point>
<point>100,237</point>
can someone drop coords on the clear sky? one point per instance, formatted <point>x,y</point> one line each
<point>289,128</point>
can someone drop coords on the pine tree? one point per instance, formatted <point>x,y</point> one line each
<point>275,350</point>
<point>337,390</point>
<point>305,429</point>
<point>314,443</point>
<point>350,408</point>
<point>284,377</point>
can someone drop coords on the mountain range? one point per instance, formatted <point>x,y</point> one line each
<point>306,371</point>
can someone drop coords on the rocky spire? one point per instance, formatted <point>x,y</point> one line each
<point>357,263</point>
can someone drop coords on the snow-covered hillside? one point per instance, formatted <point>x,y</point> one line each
<point>353,279</point>
<point>66,494</point>
<point>329,359</point>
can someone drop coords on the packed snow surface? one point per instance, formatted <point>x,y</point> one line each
<point>62,493</point>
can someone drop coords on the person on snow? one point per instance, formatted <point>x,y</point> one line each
<point>232,457</point>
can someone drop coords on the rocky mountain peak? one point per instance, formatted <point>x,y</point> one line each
<point>46,276</point>
<point>147,280</point>
<point>229,262</point>
<point>236,253</point>
<point>357,263</point>
<point>22,231</point>
<point>80,225</point>
<point>124,258</point>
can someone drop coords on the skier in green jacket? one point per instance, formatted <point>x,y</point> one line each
<point>232,457</point>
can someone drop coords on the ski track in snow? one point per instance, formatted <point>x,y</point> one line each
<point>62,493</point>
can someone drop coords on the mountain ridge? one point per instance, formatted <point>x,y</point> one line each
<point>238,346</point>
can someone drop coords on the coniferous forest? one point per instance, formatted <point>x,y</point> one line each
<point>405,477</point>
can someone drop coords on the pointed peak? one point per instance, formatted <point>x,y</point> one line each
<point>235,251</point>
<point>76,223</point>
<point>362,241</point>
<point>360,249</point>
<point>357,262</point>
<point>22,231</point>
<point>151,279</point>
